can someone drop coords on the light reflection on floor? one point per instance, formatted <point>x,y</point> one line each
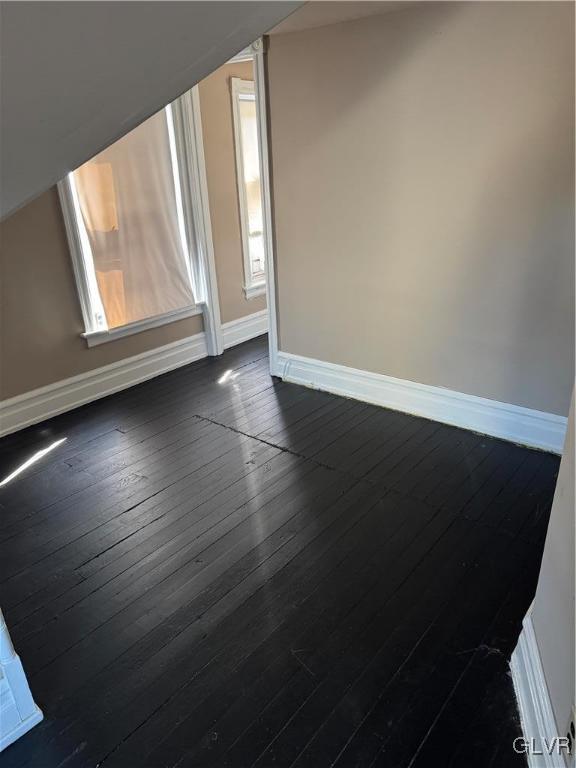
<point>32,460</point>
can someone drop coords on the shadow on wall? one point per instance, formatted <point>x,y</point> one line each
<point>533,233</point>
<point>420,25</point>
<point>336,104</point>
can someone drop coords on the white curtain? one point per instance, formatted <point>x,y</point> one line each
<point>128,200</point>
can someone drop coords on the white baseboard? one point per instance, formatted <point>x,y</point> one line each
<point>18,710</point>
<point>11,726</point>
<point>538,723</point>
<point>245,328</point>
<point>536,429</point>
<point>40,404</point>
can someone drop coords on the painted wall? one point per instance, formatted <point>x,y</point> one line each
<point>553,615</point>
<point>40,317</point>
<point>218,135</point>
<point>423,185</point>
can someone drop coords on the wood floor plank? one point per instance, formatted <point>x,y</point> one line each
<point>357,579</point>
<point>216,568</point>
<point>148,526</point>
<point>465,649</point>
<point>299,709</point>
<point>393,707</point>
<point>209,523</point>
<point>313,551</point>
<point>105,543</point>
<point>236,711</point>
<point>103,502</point>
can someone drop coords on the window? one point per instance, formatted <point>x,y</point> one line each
<point>124,210</point>
<point>249,190</point>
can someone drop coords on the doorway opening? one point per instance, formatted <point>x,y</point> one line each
<point>233,113</point>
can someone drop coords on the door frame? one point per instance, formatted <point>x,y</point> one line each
<point>257,53</point>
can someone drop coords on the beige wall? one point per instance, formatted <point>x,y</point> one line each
<point>40,318</point>
<point>218,133</point>
<point>553,611</point>
<point>423,182</point>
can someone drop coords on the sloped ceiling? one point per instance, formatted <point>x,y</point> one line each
<point>321,14</point>
<point>76,76</point>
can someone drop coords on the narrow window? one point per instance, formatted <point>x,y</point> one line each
<point>249,191</point>
<point>132,260</point>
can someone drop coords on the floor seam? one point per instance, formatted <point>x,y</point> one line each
<point>281,448</point>
<point>378,486</point>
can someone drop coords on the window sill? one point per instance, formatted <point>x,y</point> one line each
<point>93,338</point>
<point>252,291</point>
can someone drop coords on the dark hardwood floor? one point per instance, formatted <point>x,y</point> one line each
<point>219,569</point>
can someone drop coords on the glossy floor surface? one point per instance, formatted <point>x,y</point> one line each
<point>215,568</point>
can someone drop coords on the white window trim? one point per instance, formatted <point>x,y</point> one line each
<point>190,144</point>
<point>94,338</point>
<point>254,290</point>
<point>185,126</point>
<point>88,296</point>
<point>254,285</point>
<point>246,54</point>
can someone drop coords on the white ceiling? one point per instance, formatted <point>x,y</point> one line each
<point>76,76</point>
<point>322,13</point>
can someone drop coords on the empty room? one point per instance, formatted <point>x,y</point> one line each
<point>287,342</point>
